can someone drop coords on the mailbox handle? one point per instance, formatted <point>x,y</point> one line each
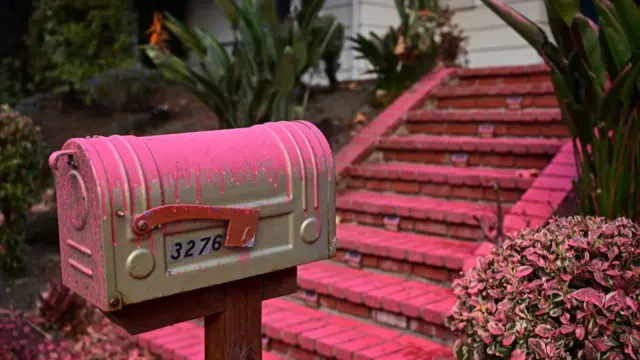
<point>241,230</point>
<point>53,159</point>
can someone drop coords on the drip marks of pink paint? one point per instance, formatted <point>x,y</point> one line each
<point>245,256</point>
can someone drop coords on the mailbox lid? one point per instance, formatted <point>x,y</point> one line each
<point>83,208</point>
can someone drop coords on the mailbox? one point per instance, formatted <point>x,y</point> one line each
<point>142,218</point>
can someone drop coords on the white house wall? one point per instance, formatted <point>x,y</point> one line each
<point>491,42</point>
<point>207,15</point>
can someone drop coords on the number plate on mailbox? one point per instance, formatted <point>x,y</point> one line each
<point>194,248</point>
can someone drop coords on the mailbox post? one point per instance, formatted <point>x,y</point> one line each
<point>163,229</point>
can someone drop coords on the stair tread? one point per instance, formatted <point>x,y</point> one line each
<point>415,299</point>
<point>443,174</point>
<point>422,207</point>
<point>488,115</point>
<point>338,336</point>
<point>509,90</point>
<point>405,246</point>
<point>472,143</point>
<point>298,325</point>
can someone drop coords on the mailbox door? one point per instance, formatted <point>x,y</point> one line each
<point>83,221</point>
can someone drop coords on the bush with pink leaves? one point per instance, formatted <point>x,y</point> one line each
<point>569,290</point>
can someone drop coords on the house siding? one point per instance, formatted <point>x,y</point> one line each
<point>206,15</point>
<point>490,41</point>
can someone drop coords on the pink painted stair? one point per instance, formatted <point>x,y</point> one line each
<point>413,186</point>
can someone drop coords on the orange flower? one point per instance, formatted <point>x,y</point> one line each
<point>425,13</point>
<point>158,36</point>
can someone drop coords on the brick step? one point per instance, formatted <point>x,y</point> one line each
<point>292,331</point>
<point>432,258</point>
<point>528,74</point>
<point>183,341</point>
<point>439,180</point>
<point>501,96</point>
<point>421,214</point>
<point>523,153</point>
<point>488,123</point>
<point>389,300</point>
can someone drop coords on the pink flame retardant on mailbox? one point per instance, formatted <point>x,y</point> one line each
<point>102,178</point>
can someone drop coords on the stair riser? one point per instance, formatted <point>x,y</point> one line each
<point>294,352</point>
<point>473,159</point>
<point>500,129</point>
<point>433,327</point>
<point>429,227</point>
<point>453,192</point>
<point>495,102</point>
<point>500,80</point>
<point>440,275</point>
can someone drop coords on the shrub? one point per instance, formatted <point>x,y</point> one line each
<point>255,83</point>
<point>595,73</point>
<point>425,37</point>
<point>566,291</point>
<point>125,89</point>
<point>71,40</point>
<point>13,82</point>
<point>20,165</point>
<point>331,55</point>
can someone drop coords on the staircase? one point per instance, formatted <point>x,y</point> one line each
<point>415,186</point>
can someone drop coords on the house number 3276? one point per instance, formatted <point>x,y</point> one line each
<point>182,250</point>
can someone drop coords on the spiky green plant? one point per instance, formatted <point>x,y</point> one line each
<point>254,83</point>
<point>425,34</point>
<point>595,72</point>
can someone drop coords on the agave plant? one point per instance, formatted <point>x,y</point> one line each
<point>595,72</point>
<point>254,83</point>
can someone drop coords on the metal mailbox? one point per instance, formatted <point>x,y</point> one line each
<point>147,217</point>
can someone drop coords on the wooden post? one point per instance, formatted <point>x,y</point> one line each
<point>232,313</point>
<point>235,333</point>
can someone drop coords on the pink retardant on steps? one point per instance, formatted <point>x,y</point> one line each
<point>493,90</point>
<point>416,207</point>
<point>184,341</point>
<point>442,174</point>
<point>377,291</point>
<point>429,250</point>
<point>485,115</point>
<point>338,337</point>
<point>472,144</point>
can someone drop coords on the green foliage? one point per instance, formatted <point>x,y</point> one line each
<point>71,40</point>
<point>13,85</point>
<point>595,73</point>
<point>255,83</point>
<point>425,36</point>
<point>123,89</point>
<point>331,55</point>
<point>20,164</point>
<point>566,291</point>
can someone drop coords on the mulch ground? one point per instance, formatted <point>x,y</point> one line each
<point>23,338</point>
